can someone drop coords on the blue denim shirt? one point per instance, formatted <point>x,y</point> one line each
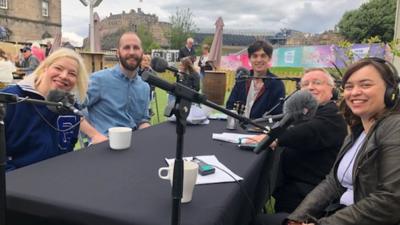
<point>115,100</point>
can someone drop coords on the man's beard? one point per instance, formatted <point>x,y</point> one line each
<point>126,65</point>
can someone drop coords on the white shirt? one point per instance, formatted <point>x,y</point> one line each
<point>345,171</point>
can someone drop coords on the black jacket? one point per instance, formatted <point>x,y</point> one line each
<point>376,181</point>
<point>184,52</point>
<point>311,148</point>
<point>268,97</point>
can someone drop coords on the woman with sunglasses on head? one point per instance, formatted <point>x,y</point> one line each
<point>363,186</point>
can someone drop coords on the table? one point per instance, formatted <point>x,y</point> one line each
<point>98,186</point>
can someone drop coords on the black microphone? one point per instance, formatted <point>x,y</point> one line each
<point>242,72</point>
<point>67,101</point>
<point>160,65</point>
<point>176,89</point>
<point>301,105</point>
<point>270,118</point>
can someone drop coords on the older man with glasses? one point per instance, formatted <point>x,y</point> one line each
<point>310,146</point>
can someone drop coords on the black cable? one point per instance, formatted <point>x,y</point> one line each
<point>55,128</point>
<point>19,100</point>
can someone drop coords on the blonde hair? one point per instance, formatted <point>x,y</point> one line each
<point>81,86</point>
<point>147,56</point>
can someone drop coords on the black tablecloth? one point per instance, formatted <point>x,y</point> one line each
<point>97,185</point>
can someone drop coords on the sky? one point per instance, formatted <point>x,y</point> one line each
<point>314,16</point>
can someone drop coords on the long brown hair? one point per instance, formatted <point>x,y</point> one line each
<point>389,75</point>
<point>188,65</point>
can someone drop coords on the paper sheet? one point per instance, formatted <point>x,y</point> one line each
<point>219,176</point>
<point>231,137</point>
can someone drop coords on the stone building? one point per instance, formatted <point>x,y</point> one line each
<point>132,21</point>
<point>22,20</point>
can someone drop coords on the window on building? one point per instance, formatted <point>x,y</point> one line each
<point>3,4</point>
<point>45,8</point>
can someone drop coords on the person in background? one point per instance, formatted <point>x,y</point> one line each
<point>28,63</point>
<point>6,69</point>
<point>118,96</point>
<point>203,63</point>
<point>33,132</point>
<point>49,45</point>
<point>38,51</point>
<point>145,66</point>
<point>259,94</point>
<point>188,76</point>
<point>188,50</point>
<point>363,184</point>
<point>309,146</point>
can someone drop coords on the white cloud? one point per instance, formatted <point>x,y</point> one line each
<point>303,15</point>
<point>73,38</point>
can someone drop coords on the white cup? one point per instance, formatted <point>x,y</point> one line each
<point>120,137</point>
<point>231,123</point>
<point>189,178</point>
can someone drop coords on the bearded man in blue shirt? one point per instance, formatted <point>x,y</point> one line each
<point>118,96</point>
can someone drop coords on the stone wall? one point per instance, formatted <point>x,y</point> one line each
<point>25,20</point>
<point>132,21</point>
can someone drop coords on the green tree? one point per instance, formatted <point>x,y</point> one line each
<point>182,27</point>
<point>207,40</point>
<point>374,18</point>
<point>148,42</point>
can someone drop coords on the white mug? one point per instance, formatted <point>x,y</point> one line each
<point>120,137</point>
<point>189,178</point>
<point>231,123</point>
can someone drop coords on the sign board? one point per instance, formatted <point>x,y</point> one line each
<point>171,56</point>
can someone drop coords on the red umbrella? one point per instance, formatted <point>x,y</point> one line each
<point>216,47</point>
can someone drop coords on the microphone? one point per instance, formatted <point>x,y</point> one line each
<point>242,72</point>
<point>66,101</point>
<point>270,118</point>
<point>177,89</point>
<point>301,105</point>
<point>160,65</point>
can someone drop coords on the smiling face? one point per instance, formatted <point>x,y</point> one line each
<point>61,74</point>
<point>364,92</point>
<point>260,62</point>
<point>130,51</point>
<point>317,83</point>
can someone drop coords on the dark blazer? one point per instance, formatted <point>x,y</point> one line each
<point>310,149</point>
<point>268,97</point>
<point>183,52</point>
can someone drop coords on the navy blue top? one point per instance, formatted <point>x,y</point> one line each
<point>29,138</point>
<point>269,96</point>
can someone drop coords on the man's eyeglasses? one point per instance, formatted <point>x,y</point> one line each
<point>313,82</point>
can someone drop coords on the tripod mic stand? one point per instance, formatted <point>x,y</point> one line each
<point>184,97</point>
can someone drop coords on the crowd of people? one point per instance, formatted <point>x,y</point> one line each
<point>339,166</point>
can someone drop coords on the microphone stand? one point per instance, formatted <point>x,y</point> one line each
<point>184,96</point>
<point>6,98</point>
<point>281,101</point>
